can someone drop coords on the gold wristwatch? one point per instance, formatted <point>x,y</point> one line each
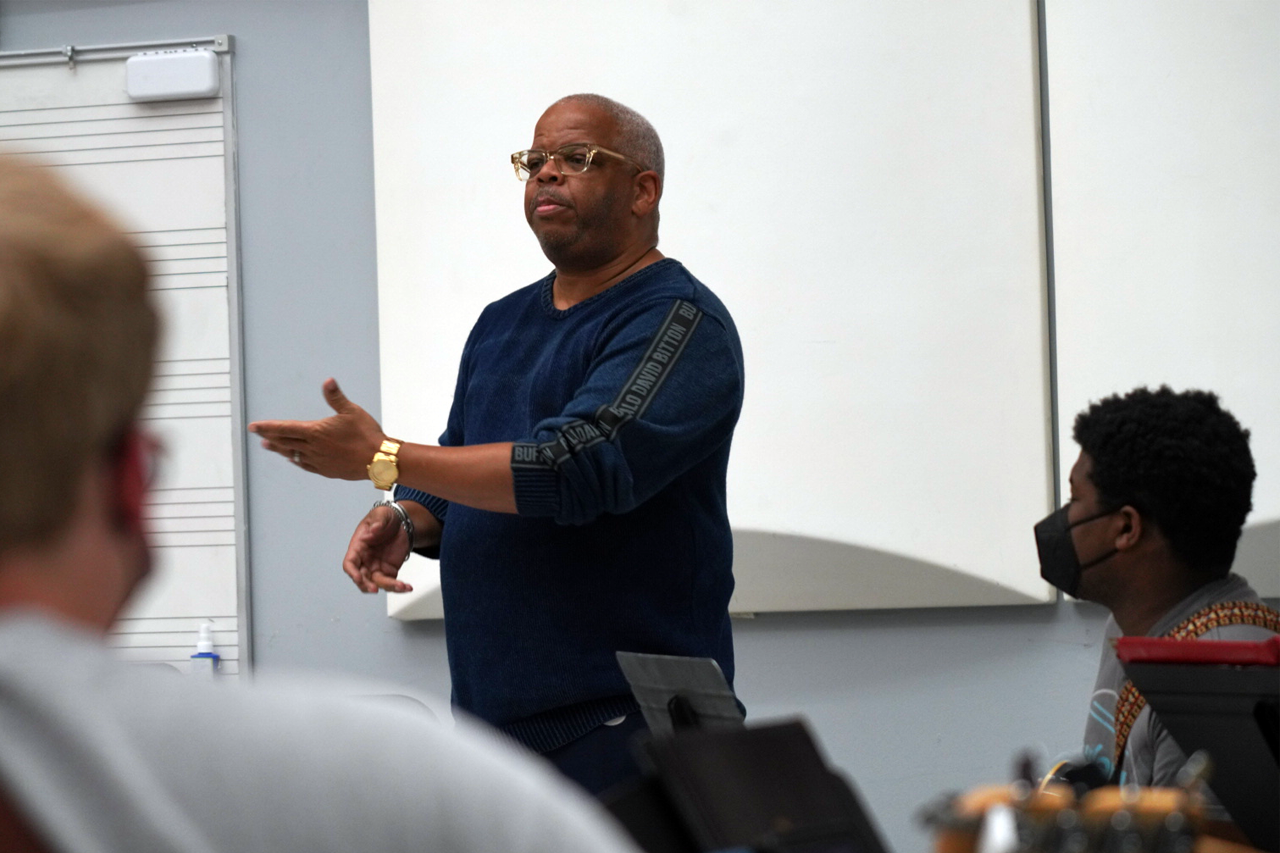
<point>384,469</point>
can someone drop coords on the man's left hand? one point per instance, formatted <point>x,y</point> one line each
<point>339,446</point>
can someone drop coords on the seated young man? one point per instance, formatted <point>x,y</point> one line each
<point>99,755</point>
<point>1159,496</point>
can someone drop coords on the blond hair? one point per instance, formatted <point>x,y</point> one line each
<point>77,342</point>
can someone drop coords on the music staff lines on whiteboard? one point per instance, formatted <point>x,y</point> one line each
<point>229,541</point>
<point>200,417</point>
<point>170,381</point>
<point>126,110</point>
<point>162,167</point>
<point>192,379</point>
<point>185,129</point>
<point>180,237</point>
<point>178,406</point>
<point>151,247</point>
<point>221,285</point>
<point>208,525</point>
<point>219,233</point>
<point>142,142</point>
<point>214,148</point>
<point>142,130</point>
<point>156,273</point>
<point>193,287</point>
<point>215,509</point>
<point>120,127</point>
<point>176,494</point>
<point>94,139</point>
<point>166,398</point>
<point>135,160</point>
<point>176,249</point>
<point>180,263</point>
<point>226,623</point>
<point>219,257</point>
<point>173,391</point>
<point>178,390</point>
<point>125,117</point>
<point>192,366</point>
<point>159,639</point>
<point>222,385</point>
<point>173,529</point>
<point>191,374</point>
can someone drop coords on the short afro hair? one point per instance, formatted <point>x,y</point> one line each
<point>1182,461</point>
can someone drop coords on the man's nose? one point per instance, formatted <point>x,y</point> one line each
<point>550,172</point>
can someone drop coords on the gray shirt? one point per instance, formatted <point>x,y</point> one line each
<point>1151,757</point>
<point>106,757</point>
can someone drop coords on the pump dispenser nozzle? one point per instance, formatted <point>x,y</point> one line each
<point>204,643</point>
<point>205,661</point>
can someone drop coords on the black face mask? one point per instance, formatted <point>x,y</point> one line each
<point>1059,564</point>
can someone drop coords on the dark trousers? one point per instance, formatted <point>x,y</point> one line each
<point>602,757</point>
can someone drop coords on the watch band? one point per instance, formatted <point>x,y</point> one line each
<point>406,524</point>
<point>384,468</point>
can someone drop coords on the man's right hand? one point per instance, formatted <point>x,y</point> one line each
<point>377,551</point>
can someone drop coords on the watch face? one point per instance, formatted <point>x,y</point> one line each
<point>383,471</point>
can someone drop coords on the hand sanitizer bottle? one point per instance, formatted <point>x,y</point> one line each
<point>204,663</point>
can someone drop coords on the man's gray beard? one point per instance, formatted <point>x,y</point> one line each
<point>554,244</point>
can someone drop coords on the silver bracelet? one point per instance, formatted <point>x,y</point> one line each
<point>406,524</point>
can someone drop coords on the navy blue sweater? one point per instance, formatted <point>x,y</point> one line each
<point>622,409</point>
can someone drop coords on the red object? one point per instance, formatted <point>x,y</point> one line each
<point>1168,650</point>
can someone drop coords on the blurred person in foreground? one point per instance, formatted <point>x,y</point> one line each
<point>97,754</point>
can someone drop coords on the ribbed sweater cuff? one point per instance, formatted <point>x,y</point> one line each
<point>537,491</point>
<point>439,507</point>
<point>559,726</point>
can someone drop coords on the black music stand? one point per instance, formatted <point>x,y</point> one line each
<point>765,788</point>
<point>677,693</point>
<point>712,783</point>
<point>1233,713</point>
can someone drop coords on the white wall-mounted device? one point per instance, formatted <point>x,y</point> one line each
<point>172,75</point>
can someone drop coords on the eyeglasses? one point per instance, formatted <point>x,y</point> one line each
<point>155,455</point>
<point>570,160</point>
<point>152,453</point>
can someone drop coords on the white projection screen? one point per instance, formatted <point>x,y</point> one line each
<point>1165,123</point>
<point>859,182</point>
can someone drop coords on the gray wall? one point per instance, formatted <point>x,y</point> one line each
<point>909,703</point>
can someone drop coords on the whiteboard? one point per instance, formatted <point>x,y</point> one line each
<point>1165,123</point>
<point>164,170</point>
<point>859,182</point>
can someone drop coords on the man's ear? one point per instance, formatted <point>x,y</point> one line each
<point>1131,528</point>
<point>648,190</point>
<point>128,486</point>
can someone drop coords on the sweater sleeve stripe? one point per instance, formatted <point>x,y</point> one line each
<point>664,351</point>
<point>632,401</point>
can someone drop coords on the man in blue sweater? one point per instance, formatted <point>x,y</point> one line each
<point>577,498</point>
